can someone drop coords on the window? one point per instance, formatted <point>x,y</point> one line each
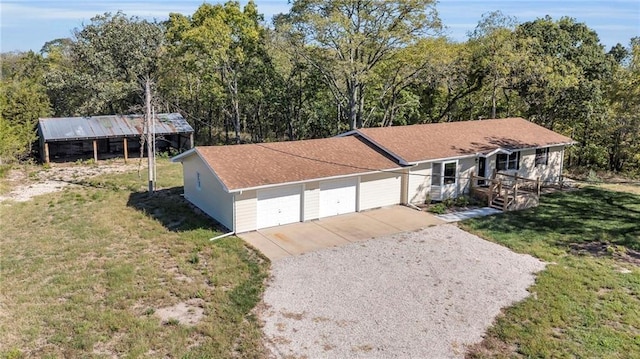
<point>198,181</point>
<point>542,156</point>
<point>508,162</point>
<point>450,173</point>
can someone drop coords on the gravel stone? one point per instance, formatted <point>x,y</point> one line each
<point>424,294</point>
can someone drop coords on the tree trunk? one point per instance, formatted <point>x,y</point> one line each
<point>360,113</point>
<point>352,90</point>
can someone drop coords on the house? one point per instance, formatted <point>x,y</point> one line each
<point>100,137</point>
<point>253,186</point>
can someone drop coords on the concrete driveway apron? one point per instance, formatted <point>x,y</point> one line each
<point>297,238</point>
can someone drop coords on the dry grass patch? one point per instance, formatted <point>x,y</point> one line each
<point>88,270</point>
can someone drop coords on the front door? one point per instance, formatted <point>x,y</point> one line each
<point>482,170</point>
<point>449,179</point>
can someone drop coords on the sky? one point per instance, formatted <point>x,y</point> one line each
<point>28,24</point>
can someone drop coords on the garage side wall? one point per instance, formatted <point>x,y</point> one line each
<point>419,183</point>
<point>380,189</point>
<point>246,211</point>
<point>205,191</point>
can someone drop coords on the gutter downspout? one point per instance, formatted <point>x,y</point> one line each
<point>222,236</point>
<point>413,206</point>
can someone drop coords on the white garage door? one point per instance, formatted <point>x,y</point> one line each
<point>278,206</point>
<point>337,197</point>
<point>379,190</point>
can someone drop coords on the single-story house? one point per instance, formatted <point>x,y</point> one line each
<point>100,137</point>
<point>252,186</point>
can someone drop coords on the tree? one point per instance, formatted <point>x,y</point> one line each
<point>494,54</point>
<point>562,82</point>
<point>112,58</point>
<point>623,96</point>
<point>345,40</point>
<point>23,100</point>
<point>222,40</point>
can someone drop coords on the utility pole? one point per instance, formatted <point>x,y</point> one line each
<point>149,134</point>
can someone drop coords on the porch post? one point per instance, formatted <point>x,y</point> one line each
<point>191,140</point>
<point>95,151</point>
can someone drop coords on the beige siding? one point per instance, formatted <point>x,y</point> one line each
<point>311,209</point>
<point>466,166</point>
<point>419,183</point>
<point>211,197</point>
<point>549,173</point>
<point>379,190</point>
<point>246,211</point>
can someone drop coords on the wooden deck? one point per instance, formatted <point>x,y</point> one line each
<point>507,192</point>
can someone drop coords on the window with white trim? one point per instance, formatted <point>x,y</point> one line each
<point>508,162</point>
<point>198,186</point>
<point>542,156</point>
<point>450,173</point>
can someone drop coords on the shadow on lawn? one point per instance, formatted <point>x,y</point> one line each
<point>169,207</point>
<point>587,215</point>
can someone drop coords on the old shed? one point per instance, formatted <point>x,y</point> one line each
<point>103,137</point>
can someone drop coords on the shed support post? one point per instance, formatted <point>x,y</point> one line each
<point>191,140</point>
<point>46,152</point>
<point>126,149</point>
<point>95,151</point>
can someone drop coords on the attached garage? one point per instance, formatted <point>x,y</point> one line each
<point>278,206</point>
<point>254,186</point>
<point>380,190</point>
<point>338,196</point>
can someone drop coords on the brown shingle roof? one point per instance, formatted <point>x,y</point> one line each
<point>417,143</point>
<point>253,165</point>
<point>256,165</point>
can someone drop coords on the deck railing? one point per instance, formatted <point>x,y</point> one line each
<point>506,187</point>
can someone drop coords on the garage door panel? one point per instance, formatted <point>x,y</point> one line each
<point>380,190</point>
<point>338,197</point>
<point>278,206</point>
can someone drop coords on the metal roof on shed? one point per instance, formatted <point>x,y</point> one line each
<point>82,128</point>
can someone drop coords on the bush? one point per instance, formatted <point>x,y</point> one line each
<point>439,208</point>
<point>462,201</point>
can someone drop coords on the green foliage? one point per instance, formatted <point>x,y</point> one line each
<point>23,100</point>
<point>328,66</point>
<point>220,44</point>
<point>352,38</point>
<point>462,201</point>
<point>438,208</point>
<point>108,59</point>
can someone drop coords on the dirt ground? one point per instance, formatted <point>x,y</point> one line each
<point>28,182</point>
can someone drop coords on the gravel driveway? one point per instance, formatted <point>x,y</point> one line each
<point>422,294</point>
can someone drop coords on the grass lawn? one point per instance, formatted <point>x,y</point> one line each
<point>586,304</point>
<point>86,271</point>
